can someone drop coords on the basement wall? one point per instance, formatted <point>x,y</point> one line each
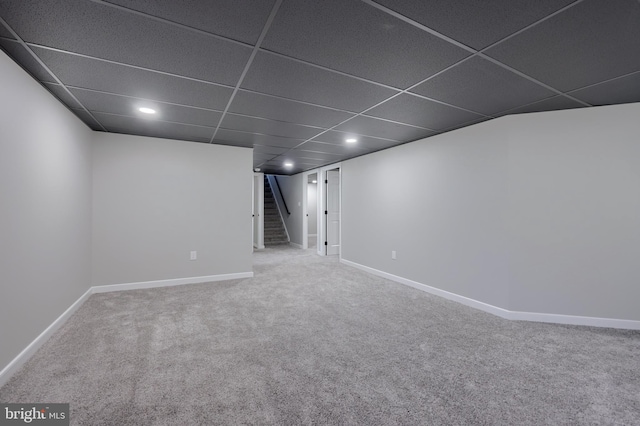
<point>45,217</point>
<point>532,213</point>
<point>156,200</point>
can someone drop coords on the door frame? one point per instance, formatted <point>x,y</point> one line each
<point>259,210</point>
<point>322,207</point>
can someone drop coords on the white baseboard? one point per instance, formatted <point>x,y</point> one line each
<point>503,313</point>
<point>31,349</point>
<point>169,283</point>
<point>295,245</point>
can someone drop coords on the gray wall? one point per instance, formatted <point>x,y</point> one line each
<point>574,222</point>
<point>439,203</point>
<point>292,187</point>
<point>45,218</point>
<point>155,200</point>
<point>534,213</point>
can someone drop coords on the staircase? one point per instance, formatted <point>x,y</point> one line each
<point>274,233</point>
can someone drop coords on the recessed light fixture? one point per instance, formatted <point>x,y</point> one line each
<point>314,181</point>
<point>288,164</point>
<point>147,110</point>
<point>351,140</point>
<point>257,169</point>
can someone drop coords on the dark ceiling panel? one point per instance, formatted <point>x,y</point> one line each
<point>107,77</point>
<point>475,23</point>
<point>592,41</point>
<point>265,106</point>
<point>60,93</point>
<point>482,86</point>
<point>87,119</point>
<point>101,31</point>
<point>619,91</point>
<point>370,126</point>
<point>5,32</point>
<point>154,128</point>
<point>551,104</point>
<point>236,19</point>
<point>364,142</point>
<point>258,139</point>
<point>294,80</point>
<point>26,60</point>
<point>267,127</point>
<point>421,112</point>
<point>272,150</point>
<point>329,148</point>
<point>353,37</point>
<point>122,105</point>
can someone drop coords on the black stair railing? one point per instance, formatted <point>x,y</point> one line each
<point>282,196</point>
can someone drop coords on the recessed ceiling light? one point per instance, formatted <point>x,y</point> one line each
<point>314,181</point>
<point>352,140</point>
<point>288,164</point>
<point>147,110</point>
<point>257,169</point>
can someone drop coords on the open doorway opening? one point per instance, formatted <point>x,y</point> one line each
<point>332,212</point>
<point>312,211</point>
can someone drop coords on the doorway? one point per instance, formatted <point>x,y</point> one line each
<point>312,211</point>
<point>332,212</point>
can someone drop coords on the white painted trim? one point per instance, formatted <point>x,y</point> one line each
<point>503,313</point>
<point>300,246</point>
<point>258,247</point>
<point>15,365</point>
<point>169,283</point>
<point>31,349</point>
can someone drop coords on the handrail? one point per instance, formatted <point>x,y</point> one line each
<point>281,196</point>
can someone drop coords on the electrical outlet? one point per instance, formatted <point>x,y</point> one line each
<point>393,254</point>
<point>194,255</point>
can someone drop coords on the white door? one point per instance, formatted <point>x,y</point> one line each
<point>333,212</point>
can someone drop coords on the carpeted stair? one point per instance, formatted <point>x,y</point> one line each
<point>274,233</point>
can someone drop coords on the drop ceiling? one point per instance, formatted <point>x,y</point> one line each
<point>294,79</point>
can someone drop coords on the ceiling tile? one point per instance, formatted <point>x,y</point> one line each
<point>364,142</point>
<point>551,104</point>
<point>369,126</point>
<point>101,31</point>
<point>252,138</point>
<point>267,127</point>
<point>279,76</point>
<point>123,105</point>
<point>590,42</point>
<point>482,86</point>
<point>329,148</point>
<point>87,119</point>
<point>241,20</point>
<point>619,91</point>
<point>107,77</point>
<point>355,38</point>
<point>265,106</point>
<point>26,60</point>
<point>272,150</point>
<point>5,32</point>
<point>410,109</point>
<point>154,128</point>
<point>475,23</point>
<point>311,156</point>
<point>60,93</point>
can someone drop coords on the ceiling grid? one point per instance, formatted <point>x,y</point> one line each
<point>295,79</point>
